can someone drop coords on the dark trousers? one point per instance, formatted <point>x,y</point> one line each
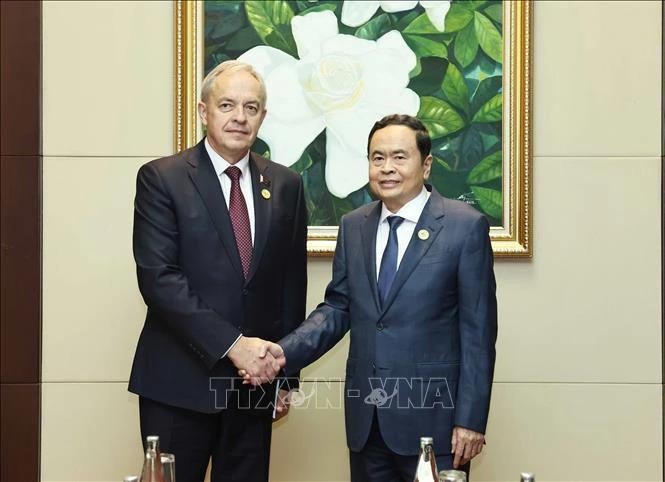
<point>377,463</point>
<point>237,440</point>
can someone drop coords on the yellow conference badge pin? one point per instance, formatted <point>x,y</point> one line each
<point>423,234</point>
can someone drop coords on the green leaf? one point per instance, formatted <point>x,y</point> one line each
<point>495,12</point>
<point>406,20</point>
<point>429,79</point>
<point>487,88</point>
<point>424,47</point>
<point>304,163</point>
<point>491,111</point>
<point>457,18</point>
<point>466,45</point>
<point>471,149</point>
<point>455,89</point>
<point>490,200</point>
<point>488,169</point>
<point>442,163</point>
<point>376,27</point>
<point>243,40</point>
<point>439,117</point>
<point>321,7</point>
<point>272,20</point>
<point>423,26</point>
<point>489,37</point>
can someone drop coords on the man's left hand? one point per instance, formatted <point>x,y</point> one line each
<point>466,445</point>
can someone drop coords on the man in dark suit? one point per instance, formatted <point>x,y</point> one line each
<point>413,281</point>
<point>220,250</point>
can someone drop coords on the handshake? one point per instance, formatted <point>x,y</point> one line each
<point>258,361</point>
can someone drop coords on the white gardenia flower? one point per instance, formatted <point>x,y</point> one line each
<point>340,83</point>
<point>357,12</point>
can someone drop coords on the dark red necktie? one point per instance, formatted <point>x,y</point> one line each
<point>240,219</point>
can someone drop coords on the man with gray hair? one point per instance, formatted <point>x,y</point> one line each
<point>220,251</point>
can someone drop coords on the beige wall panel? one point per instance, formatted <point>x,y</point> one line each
<point>573,432</point>
<point>90,432</point>
<point>310,444</point>
<point>108,78</point>
<point>597,78</point>
<point>330,366</point>
<point>92,309</point>
<point>587,307</point>
<point>562,432</point>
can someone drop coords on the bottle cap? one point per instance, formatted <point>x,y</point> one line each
<point>426,441</point>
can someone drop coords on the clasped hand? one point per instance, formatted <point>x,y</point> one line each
<point>258,361</point>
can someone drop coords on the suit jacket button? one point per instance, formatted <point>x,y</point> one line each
<point>245,292</point>
<point>379,326</point>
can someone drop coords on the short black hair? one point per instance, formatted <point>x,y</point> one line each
<point>423,140</point>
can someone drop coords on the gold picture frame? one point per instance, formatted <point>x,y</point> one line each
<point>510,240</point>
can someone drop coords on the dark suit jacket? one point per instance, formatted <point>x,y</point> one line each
<point>430,346</point>
<point>190,275</point>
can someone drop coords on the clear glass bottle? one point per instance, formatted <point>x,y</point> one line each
<point>527,477</point>
<point>452,476</point>
<point>426,470</point>
<point>152,464</point>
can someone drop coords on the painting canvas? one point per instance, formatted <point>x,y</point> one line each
<point>333,68</point>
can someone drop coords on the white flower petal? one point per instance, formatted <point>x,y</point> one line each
<point>311,30</point>
<point>348,45</point>
<point>279,70</point>
<point>357,12</point>
<point>287,141</point>
<point>436,12</point>
<point>393,40</point>
<point>264,59</point>
<point>398,5</point>
<point>290,124</point>
<point>346,166</point>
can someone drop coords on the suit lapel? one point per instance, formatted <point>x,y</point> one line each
<point>431,221</point>
<point>204,177</point>
<point>368,231</point>
<point>259,168</point>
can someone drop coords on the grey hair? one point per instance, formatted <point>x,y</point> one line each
<point>232,66</point>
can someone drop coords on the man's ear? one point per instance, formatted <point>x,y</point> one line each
<point>203,112</point>
<point>427,166</point>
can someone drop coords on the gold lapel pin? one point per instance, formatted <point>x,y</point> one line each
<point>265,193</point>
<point>423,234</point>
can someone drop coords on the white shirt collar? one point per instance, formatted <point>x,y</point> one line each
<point>411,211</point>
<point>220,164</point>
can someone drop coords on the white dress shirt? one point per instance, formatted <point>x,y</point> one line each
<point>411,212</point>
<point>220,164</point>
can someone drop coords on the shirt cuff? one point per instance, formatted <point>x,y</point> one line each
<point>232,345</point>
<point>274,407</point>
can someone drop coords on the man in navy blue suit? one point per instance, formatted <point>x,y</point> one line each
<point>219,244</point>
<point>413,282</point>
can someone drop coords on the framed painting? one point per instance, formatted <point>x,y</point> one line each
<point>334,67</point>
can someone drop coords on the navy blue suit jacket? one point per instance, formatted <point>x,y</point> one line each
<point>425,359</point>
<point>191,279</point>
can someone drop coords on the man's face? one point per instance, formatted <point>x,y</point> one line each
<point>396,169</point>
<point>233,114</point>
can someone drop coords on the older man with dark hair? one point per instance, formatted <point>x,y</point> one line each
<point>413,282</point>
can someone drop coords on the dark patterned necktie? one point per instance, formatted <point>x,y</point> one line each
<point>240,219</point>
<point>388,267</point>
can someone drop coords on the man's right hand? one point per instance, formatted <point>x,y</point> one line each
<point>261,360</point>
